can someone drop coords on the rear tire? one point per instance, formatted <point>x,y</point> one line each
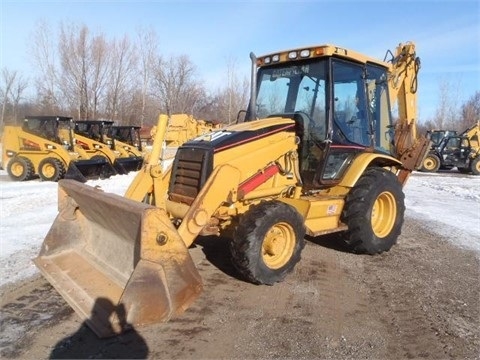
<point>374,211</point>
<point>51,169</point>
<point>431,163</point>
<point>20,168</point>
<point>475,166</point>
<point>268,242</point>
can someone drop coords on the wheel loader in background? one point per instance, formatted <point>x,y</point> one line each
<point>317,153</point>
<point>92,136</point>
<point>436,136</point>
<point>45,146</point>
<point>460,151</point>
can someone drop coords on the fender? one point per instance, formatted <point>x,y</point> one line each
<point>361,162</point>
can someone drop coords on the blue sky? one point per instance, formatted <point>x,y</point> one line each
<point>211,33</point>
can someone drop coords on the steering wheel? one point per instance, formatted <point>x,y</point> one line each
<point>312,126</point>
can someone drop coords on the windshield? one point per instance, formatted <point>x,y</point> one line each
<point>359,110</point>
<point>294,88</point>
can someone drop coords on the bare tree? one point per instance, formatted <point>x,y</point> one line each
<point>16,94</point>
<point>84,69</point>
<point>223,106</point>
<point>447,115</point>
<point>471,111</point>
<point>44,59</point>
<point>175,85</point>
<point>148,48</point>
<point>234,95</point>
<point>12,87</point>
<point>98,73</point>
<point>122,82</point>
<point>73,50</point>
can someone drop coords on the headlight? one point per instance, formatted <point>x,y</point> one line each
<point>305,53</point>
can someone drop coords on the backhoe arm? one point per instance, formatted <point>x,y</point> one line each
<point>410,148</point>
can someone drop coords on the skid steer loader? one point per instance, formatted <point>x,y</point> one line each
<point>45,146</point>
<point>316,154</point>
<point>124,157</point>
<point>129,134</point>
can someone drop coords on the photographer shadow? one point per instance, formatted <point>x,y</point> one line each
<point>120,341</point>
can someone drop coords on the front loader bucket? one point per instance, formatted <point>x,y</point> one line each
<point>117,262</point>
<point>132,163</point>
<point>95,168</point>
<point>74,173</point>
<point>126,164</point>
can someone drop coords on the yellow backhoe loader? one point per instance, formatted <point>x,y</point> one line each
<point>317,153</point>
<point>45,146</point>
<point>183,127</point>
<point>124,157</point>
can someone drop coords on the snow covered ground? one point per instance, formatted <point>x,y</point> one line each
<point>448,203</point>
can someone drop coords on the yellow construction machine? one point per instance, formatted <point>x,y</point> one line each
<point>93,136</point>
<point>317,153</point>
<point>183,127</point>
<point>129,134</point>
<point>45,146</point>
<point>456,151</point>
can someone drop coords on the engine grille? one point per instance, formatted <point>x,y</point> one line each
<point>190,171</point>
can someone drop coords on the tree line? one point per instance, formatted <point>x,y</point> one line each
<point>452,114</point>
<point>85,75</point>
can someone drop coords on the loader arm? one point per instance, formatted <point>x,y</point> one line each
<point>151,183</point>
<point>409,147</point>
<point>473,135</point>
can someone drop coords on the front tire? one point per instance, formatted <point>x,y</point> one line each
<point>374,211</point>
<point>431,163</point>
<point>268,242</point>
<point>51,169</point>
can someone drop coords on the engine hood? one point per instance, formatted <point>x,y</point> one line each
<point>239,134</point>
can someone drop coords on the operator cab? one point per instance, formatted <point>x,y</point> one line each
<point>340,106</point>
<point>455,150</point>
<point>93,129</point>
<point>127,134</point>
<point>57,129</point>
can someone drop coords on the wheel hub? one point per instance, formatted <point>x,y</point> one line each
<point>278,245</point>
<point>429,163</point>
<point>384,213</point>
<point>48,170</point>
<point>17,169</point>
